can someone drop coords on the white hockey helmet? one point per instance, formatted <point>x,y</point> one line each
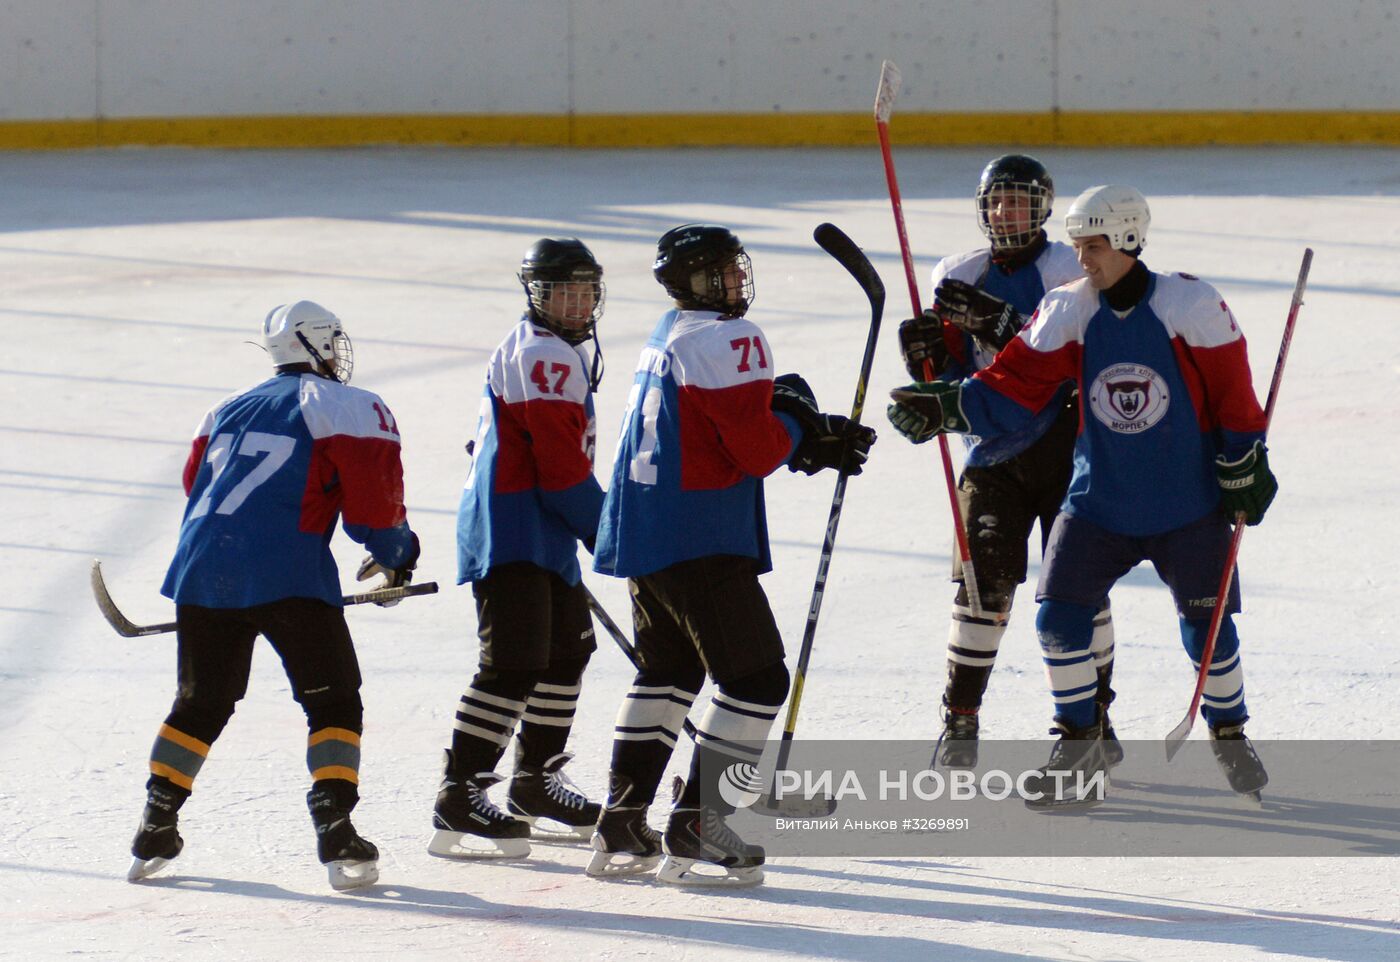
<point>1119,213</point>
<point>304,332</point>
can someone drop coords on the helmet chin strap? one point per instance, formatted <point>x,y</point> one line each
<point>318,363</point>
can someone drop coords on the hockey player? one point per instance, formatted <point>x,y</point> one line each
<point>1171,446</point>
<point>270,470</point>
<point>981,300</point>
<point>684,521</point>
<point>530,498</point>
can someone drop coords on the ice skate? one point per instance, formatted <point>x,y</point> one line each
<point>351,861</point>
<point>544,798</point>
<point>155,846</point>
<point>701,849</point>
<point>957,745</point>
<point>1074,779</point>
<point>623,843</point>
<point>158,840</point>
<point>1238,759</point>
<point>469,825</point>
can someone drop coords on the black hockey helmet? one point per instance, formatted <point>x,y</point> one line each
<point>552,262</point>
<point>1016,174</point>
<point>692,261</point>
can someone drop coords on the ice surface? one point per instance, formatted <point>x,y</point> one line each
<point>128,282</point>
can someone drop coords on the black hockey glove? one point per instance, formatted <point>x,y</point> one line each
<point>921,339</point>
<point>1246,485</point>
<point>793,396</point>
<point>393,577</point>
<point>832,441</point>
<point>989,319</point>
<point>927,408</point>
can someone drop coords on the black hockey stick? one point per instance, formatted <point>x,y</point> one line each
<point>835,242</point>
<point>127,628</point>
<point>628,649</point>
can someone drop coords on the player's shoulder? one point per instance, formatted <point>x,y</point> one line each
<point>1193,309</point>
<point>1074,297</point>
<point>329,407</point>
<point>712,351</point>
<point>968,266</point>
<point>529,342</point>
<point>1185,290</point>
<point>1058,265</point>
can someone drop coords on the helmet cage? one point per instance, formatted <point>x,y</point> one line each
<point>1009,200</point>
<point>717,287</point>
<point>561,304</point>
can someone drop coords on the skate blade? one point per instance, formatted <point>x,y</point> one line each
<point>1068,806</point>
<point>1250,801</point>
<point>348,874</point>
<point>552,830</point>
<point>682,871</point>
<point>142,868</point>
<point>620,864</point>
<point>464,845</point>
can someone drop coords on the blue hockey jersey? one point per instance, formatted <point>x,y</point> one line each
<point>530,494</point>
<point>1163,389</point>
<point>269,472</point>
<point>1023,289</point>
<point>697,439</point>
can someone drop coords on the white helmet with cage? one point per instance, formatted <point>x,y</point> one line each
<point>304,332</point>
<point>1119,213</point>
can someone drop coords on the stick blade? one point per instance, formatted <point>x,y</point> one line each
<point>886,92</point>
<point>1177,736</point>
<point>835,242</point>
<point>119,622</point>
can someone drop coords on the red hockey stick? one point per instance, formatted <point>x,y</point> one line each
<point>884,106</point>
<point>1177,737</point>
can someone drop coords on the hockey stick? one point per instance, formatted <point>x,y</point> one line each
<point>129,629</point>
<point>627,647</point>
<point>1177,737</point>
<point>835,242</point>
<point>884,107</point>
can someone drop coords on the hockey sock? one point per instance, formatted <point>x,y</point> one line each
<point>176,757</point>
<point>1066,631</point>
<point>972,650</point>
<point>733,727</point>
<point>1222,701</point>
<point>486,717</point>
<point>333,753</point>
<point>648,724</point>
<point>549,714</point>
<point>1102,648</point>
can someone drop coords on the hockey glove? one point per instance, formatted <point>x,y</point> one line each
<point>989,319</point>
<point>393,577</point>
<point>926,408</point>
<point>920,340</point>
<point>1246,485</point>
<point>793,396</point>
<point>832,441</point>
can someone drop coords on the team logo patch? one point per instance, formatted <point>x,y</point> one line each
<point>1129,398</point>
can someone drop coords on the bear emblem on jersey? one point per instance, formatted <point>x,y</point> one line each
<point>1129,398</point>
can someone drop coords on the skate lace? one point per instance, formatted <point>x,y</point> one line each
<point>476,794</point>
<point>717,830</point>
<point>559,787</point>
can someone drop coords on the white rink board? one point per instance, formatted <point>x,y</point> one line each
<point>190,58</point>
